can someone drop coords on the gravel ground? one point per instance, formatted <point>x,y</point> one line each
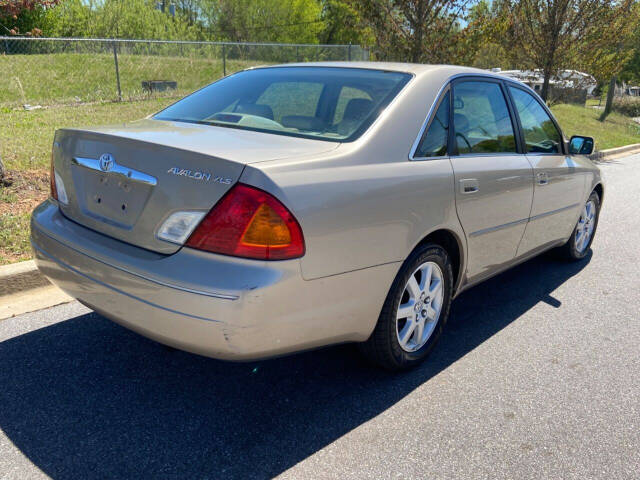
<point>536,376</point>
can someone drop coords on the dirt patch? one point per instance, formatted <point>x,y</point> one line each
<point>8,257</point>
<point>22,191</point>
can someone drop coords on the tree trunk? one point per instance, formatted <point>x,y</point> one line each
<point>544,93</point>
<point>610,95</point>
<point>418,34</point>
<point>416,45</point>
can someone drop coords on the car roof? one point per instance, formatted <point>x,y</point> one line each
<point>438,72</point>
<point>415,68</point>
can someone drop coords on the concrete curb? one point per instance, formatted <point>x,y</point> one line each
<point>24,289</point>
<point>603,155</point>
<point>19,277</point>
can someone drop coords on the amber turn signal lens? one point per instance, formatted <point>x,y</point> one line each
<point>266,228</point>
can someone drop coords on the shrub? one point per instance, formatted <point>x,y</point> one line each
<point>629,106</point>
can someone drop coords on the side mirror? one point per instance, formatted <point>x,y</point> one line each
<point>579,145</point>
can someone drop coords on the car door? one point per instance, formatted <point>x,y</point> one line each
<point>493,181</point>
<point>558,186</point>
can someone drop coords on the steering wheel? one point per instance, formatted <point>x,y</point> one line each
<point>548,145</point>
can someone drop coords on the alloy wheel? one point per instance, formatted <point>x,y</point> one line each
<point>585,227</point>
<point>420,307</point>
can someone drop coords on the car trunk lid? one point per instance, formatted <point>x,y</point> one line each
<point>124,181</point>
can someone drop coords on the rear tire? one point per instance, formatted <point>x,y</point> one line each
<point>415,311</point>
<point>577,247</point>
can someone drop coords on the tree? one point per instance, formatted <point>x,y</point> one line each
<point>479,43</point>
<point>630,71</point>
<point>23,16</point>
<point>343,24</point>
<point>553,34</point>
<point>414,30</point>
<point>609,52</point>
<point>116,19</point>
<point>189,10</point>
<point>285,21</point>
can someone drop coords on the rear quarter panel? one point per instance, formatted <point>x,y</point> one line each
<point>355,217</point>
<point>366,203</point>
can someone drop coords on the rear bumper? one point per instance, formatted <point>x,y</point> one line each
<point>214,305</point>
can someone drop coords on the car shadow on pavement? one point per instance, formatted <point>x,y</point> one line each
<point>85,398</point>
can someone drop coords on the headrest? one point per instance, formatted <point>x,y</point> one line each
<point>255,109</point>
<point>357,109</point>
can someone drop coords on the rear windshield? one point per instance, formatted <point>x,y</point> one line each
<point>335,104</point>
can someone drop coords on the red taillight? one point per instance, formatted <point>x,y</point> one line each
<point>52,180</point>
<point>248,222</point>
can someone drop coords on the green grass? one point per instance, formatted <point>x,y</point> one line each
<point>593,102</point>
<point>25,148</point>
<point>26,136</point>
<point>80,77</point>
<point>17,200</point>
<point>14,237</point>
<point>616,131</point>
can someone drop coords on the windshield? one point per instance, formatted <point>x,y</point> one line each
<point>325,103</point>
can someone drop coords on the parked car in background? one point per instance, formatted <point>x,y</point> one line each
<point>290,207</point>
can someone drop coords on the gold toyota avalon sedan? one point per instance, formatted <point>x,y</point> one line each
<point>289,207</point>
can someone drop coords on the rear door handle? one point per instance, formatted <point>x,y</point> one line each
<point>469,185</point>
<point>543,178</point>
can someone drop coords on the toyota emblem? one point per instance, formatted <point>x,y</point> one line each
<point>106,162</point>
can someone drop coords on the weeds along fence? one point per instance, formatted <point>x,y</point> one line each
<point>50,71</point>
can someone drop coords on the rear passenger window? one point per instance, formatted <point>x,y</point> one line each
<point>540,133</point>
<point>481,119</point>
<point>434,142</point>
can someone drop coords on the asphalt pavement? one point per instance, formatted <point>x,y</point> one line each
<point>536,376</point>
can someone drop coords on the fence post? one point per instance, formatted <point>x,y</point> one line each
<point>297,53</point>
<point>224,61</point>
<point>115,59</point>
<point>349,52</point>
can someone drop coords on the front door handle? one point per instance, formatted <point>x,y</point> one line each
<point>543,178</point>
<point>469,185</point>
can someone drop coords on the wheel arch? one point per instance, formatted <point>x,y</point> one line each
<point>452,243</point>
<point>599,189</point>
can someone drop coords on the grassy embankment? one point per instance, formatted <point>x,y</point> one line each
<point>72,78</point>
<point>25,148</point>
<point>616,131</point>
<point>63,84</point>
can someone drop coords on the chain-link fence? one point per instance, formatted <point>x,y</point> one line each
<point>49,71</point>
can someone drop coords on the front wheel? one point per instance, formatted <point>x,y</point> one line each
<point>415,310</point>
<point>578,244</point>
